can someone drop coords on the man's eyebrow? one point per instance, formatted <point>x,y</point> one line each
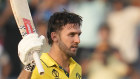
<point>75,33</point>
<point>79,32</point>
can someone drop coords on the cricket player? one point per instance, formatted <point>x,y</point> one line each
<point>63,36</point>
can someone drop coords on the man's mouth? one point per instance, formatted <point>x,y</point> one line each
<point>74,46</point>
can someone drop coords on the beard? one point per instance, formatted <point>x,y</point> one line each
<point>66,50</point>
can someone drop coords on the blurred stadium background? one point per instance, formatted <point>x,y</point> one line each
<point>110,39</point>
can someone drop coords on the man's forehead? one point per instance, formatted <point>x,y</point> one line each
<point>72,26</point>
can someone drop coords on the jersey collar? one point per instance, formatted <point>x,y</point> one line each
<point>50,62</point>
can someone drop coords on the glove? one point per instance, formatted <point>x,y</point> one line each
<point>29,44</point>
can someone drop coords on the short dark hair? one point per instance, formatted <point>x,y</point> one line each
<point>60,19</point>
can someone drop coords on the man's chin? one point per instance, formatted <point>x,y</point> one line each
<point>72,54</point>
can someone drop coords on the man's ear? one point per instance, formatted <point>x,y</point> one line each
<point>54,36</point>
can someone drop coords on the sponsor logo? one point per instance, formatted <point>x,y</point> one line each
<point>78,76</point>
<point>28,26</point>
<point>55,74</point>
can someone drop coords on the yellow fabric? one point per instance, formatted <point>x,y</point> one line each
<point>53,71</point>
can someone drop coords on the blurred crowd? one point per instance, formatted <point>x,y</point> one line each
<point>110,39</point>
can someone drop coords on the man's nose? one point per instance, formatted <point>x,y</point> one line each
<point>77,39</point>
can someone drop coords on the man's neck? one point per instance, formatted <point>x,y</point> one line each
<point>59,57</point>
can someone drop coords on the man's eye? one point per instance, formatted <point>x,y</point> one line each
<point>72,34</point>
<point>79,34</point>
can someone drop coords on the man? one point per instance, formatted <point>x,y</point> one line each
<point>63,36</point>
<point>106,59</point>
<point>121,19</point>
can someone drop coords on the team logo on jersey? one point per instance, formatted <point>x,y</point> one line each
<point>55,74</point>
<point>78,76</point>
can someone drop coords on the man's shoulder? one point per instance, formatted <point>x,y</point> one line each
<point>48,66</point>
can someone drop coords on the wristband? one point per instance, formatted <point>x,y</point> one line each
<point>30,67</point>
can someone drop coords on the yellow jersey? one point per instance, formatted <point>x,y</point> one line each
<point>54,71</point>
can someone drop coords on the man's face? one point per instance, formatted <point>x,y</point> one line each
<point>68,39</point>
<point>104,35</point>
